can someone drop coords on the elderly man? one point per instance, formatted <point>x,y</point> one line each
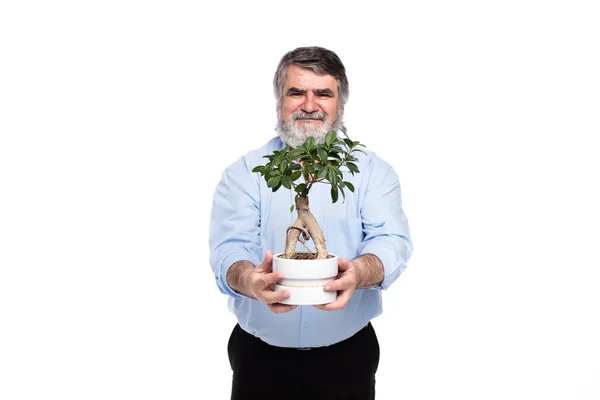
<point>330,351</point>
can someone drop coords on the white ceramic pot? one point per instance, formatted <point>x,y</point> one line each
<point>304,279</point>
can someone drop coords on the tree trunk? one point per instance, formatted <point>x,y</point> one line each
<point>305,221</point>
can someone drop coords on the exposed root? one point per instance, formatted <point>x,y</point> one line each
<point>303,230</point>
<point>305,234</point>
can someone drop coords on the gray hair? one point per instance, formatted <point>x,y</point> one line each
<point>321,61</point>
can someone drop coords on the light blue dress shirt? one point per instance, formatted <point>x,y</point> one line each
<point>248,219</point>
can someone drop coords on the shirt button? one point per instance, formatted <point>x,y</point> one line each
<point>306,324</point>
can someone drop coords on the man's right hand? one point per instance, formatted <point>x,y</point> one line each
<point>257,282</point>
<point>261,280</point>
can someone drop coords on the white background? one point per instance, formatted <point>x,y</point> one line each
<point>117,118</point>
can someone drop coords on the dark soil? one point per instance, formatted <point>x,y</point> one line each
<point>307,256</point>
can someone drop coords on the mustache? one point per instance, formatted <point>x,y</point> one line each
<point>313,115</point>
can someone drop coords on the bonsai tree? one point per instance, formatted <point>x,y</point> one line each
<point>319,163</point>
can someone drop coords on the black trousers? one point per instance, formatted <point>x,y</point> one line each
<point>345,370</point>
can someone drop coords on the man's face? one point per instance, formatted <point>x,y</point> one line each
<point>310,106</point>
<point>310,100</point>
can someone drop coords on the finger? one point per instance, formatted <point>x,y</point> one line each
<point>267,263</point>
<point>343,283</point>
<point>339,303</point>
<point>270,297</point>
<point>343,264</point>
<point>279,308</point>
<point>272,278</point>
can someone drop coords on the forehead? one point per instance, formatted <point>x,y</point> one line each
<point>307,79</point>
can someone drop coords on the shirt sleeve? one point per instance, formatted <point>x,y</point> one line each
<point>235,223</point>
<point>384,222</point>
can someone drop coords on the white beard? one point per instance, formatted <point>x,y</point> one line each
<point>295,136</point>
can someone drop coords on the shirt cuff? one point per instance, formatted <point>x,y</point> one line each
<point>391,266</point>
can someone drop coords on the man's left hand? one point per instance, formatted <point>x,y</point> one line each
<point>345,285</point>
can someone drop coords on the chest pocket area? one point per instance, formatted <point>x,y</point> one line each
<point>343,236</point>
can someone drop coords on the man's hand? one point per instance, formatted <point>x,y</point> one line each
<point>261,280</point>
<point>345,284</point>
<point>363,272</point>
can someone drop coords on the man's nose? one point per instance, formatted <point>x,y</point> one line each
<point>309,104</point>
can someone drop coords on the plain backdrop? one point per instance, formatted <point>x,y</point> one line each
<point>118,117</point>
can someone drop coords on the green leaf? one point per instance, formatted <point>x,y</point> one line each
<point>292,208</point>
<point>322,173</point>
<point>309,143</point>
<point>295,166</point>
<point>286,181</point>
<point>348,143</point>
<point>300,188</point>
<point>352,167</point>
<point>335,155</point>
<point>322,154</point>
<point>260,169</point>
<point>273,181</point>
<point>343,194</point>
<point>350,186</point>
<point>330,138</point>
<point>334,194</point>
<point>337,171</point>
<point>277,187</point>
<point>332,176</point>
<point>294,154</point>
<point>296,175</point>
